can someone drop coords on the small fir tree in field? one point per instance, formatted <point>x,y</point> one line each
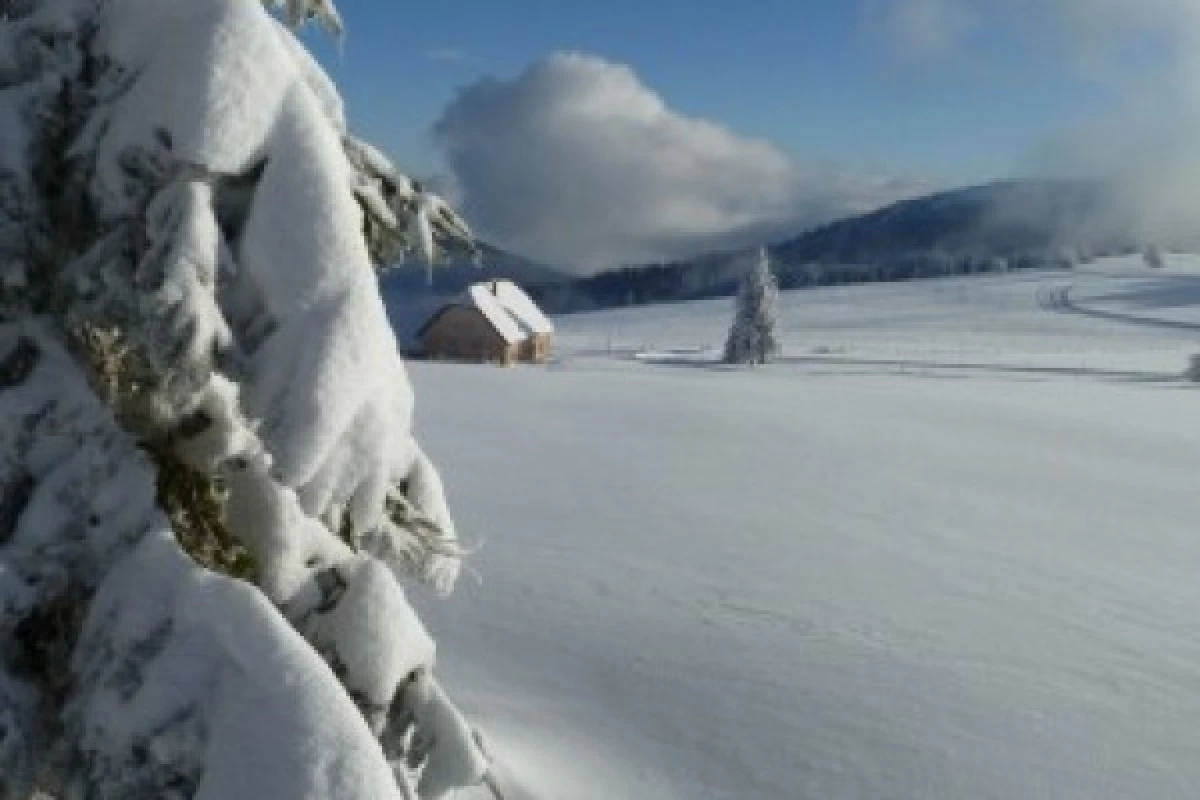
<point>1192,373</point>
<point>753,336</point>
<point>1153,257</point>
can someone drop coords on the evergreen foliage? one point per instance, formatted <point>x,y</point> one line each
<point>210,490</point>
<point>753,337</point>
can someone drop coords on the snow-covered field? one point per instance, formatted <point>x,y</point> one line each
<point>948,548</point>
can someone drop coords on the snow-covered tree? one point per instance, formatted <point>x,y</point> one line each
<point>210,490</point>
<point>1192,372</point>
<point>1153,257</point>
<point>753,338</point>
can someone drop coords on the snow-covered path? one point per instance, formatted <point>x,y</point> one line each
<point>830,578</point>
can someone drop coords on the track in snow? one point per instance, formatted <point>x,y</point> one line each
<point>1058,298</point>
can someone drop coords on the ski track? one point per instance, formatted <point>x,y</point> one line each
<point>834,577</point>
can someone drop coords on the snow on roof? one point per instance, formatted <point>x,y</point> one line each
<point>480,297</point>
<point>523,309</point>
<point>510,311</point>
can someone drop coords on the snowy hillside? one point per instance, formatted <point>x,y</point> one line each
<point>993,321</point>
<point>996,219</point>
<point>946,548</point>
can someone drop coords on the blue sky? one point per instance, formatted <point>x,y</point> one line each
<point>625,131</point>
<point>818,79</point>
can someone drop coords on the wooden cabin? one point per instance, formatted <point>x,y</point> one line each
<point>461,333</point>
<point>492,322</point>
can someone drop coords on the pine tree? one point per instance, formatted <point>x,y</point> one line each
<point>1152,256</point>
<point>210,490</point>
<point>753,336</point>
<point>1192,373</point>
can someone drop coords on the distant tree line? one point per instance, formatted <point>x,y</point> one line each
<point>718,277</point>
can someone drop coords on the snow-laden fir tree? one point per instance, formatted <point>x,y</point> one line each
<point>1153,258</point>
<point>753,336</point>
<point>210,491</point>
<point>1192,372</point>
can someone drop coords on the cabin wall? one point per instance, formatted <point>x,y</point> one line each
<point>536,349</point>
<point>464,334</point>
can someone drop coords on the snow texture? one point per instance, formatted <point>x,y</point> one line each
<point>522,308</point>
<point>177,670</point>
<point>481,298</point>
<point>237,98</point>
<point>950,553</point>
<point>190,679</point>
<point>189,238</point>
<point>509,310</point>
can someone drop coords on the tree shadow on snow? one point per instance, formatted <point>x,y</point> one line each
<point>909,367</point>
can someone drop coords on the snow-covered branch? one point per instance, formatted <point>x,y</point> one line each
<point>192,339</point>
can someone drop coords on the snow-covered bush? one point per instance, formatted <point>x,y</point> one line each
<point>1192,373</point>
<point>753,338</point>
<point>210,491</point>
<point>1153,257</point>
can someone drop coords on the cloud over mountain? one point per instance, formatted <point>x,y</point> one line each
<point>1143,54</point>
<point>578,163</point>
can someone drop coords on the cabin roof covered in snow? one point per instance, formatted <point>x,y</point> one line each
<point>480,297</point>
<point>505,306</point>
<point>522,307</point>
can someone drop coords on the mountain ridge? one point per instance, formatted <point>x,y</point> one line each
<point>1017,224</point>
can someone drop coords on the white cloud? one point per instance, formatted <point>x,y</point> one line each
<point>1148,142</point>
<point>577,163</point>
<point>1144,53</point>
<point>923,28</point>
<point>1096,29</point>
